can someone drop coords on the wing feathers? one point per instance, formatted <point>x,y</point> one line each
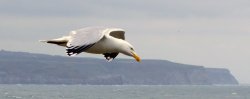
<point>77,49</point>
<point>118,34</point>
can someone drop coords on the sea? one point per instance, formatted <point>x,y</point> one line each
<point>123,92</point>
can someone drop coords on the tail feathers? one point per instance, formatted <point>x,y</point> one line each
<point>60,41</point>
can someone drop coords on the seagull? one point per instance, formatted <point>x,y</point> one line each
<point>96,40</point>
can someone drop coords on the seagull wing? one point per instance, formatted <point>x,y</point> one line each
<point>116,32</point>
<point>82,39</point>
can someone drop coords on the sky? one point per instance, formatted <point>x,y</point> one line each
<point>210,33</point>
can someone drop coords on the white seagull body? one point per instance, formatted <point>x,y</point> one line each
<point>97,40</point>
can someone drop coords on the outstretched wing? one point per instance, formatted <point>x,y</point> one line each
<point>116,32</point>
<point>82,39</point>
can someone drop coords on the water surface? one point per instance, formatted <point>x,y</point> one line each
<point>122,92</point>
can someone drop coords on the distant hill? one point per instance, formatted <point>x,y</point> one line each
<point>29,68</point>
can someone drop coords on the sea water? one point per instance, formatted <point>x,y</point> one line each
<point>122,92</point>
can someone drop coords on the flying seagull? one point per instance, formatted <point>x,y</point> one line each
<point>97,40</point>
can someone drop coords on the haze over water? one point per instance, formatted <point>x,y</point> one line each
<point>123,92</point>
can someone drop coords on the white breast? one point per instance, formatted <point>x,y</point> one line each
<point>105,45</point>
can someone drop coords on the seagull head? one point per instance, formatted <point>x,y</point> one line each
<point>128,49</point>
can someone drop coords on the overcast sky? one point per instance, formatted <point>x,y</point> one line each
<point>210,33</point>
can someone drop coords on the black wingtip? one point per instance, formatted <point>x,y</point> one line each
<point>74,50</point>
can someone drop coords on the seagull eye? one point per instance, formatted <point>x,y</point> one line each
<point>132,49</point>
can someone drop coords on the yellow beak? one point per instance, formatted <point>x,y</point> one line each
<point>137,58</point>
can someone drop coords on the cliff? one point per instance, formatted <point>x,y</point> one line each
<point>28,68</point>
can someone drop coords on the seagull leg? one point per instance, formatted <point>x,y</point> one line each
<point>109,59</point>
<point>110,56</point>
<point>107,56</point>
